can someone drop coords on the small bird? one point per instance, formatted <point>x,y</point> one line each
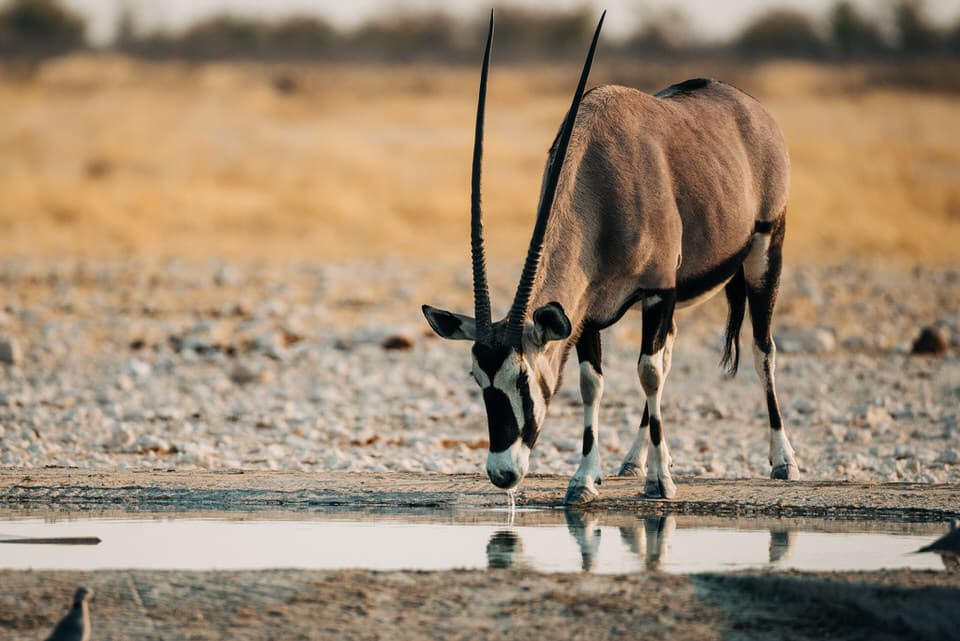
<point>75,626</point>
<point>948,547</point>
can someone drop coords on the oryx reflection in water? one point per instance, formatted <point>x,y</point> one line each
<point>648,538</point>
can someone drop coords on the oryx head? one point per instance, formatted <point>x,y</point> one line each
<point>508,356</point>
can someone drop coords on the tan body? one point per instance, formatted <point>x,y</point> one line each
<point>657,191</point>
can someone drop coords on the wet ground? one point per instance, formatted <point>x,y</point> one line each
<point>509,597</point>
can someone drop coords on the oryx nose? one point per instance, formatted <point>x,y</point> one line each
<point>503,478</point>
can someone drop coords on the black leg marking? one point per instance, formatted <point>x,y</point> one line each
<point>646,416</point>
<point>657,322</point>
<point>656,431</point>
<point>588,348</point>
<point>773,409</point>
<point>587,439</point>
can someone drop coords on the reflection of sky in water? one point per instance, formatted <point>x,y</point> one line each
<point>391,544</point>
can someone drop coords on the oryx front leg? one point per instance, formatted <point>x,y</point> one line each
<point>583,485</point>
<point>635,462</point>
<point>652,369</point>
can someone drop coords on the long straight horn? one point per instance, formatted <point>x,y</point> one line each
<point>481,292</point>
<point>521,302</point>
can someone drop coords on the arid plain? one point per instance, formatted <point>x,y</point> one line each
<point>203,268</point>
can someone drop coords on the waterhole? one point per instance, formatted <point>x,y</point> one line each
<point>535,540</point>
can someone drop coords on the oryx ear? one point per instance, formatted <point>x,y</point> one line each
<point>550,323</point>
<point>449,325</point>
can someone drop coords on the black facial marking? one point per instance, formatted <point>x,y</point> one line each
<point>587,439</point>
<point>491,359</point>
<point>501,423</point>
<point>530,432</point>
<point>656,431</point>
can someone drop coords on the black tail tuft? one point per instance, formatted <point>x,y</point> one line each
<point>736,291</point>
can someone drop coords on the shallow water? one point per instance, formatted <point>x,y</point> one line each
<point>538,540</point>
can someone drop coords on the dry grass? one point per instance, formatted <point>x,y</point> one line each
<point>100,157</point>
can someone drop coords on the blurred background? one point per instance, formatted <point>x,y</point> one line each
<point>322,130</point>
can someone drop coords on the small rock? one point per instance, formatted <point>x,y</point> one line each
<point>397,341</point>
<point>147,443</point>
<point>876,416</point>
<point>950,457</point>
<point>903,452</point>
<point>803,406</point>
<point>243,375</point>
<point>121,438</point>
<point>139,369</point>
<point>10,352</point>
<point>932,340</point>
<point>858,435</point>
<point>816,340</point>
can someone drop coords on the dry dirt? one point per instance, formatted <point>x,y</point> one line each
<point>354,604</point>
<point>499,604</point>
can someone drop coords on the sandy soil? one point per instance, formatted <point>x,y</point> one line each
<point>496,604</point>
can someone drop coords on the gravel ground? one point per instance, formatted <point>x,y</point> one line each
<point>173,365</point>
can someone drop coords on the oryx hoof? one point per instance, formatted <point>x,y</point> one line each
<point>660,488</point>
<point>631,469</point>
<point>786,472</point>
<point>578,494</point>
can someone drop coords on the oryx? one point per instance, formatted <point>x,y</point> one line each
<point>652,201</point>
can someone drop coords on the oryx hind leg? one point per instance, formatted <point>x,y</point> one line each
<point>583,485</point>
<point>762,272</point>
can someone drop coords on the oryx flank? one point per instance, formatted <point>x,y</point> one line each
<point>655,201</point>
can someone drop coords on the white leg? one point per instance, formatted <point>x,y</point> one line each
<point>783,465</point>
<point>582,488</point>
<point>635,462</point>
<point>659,483</point>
